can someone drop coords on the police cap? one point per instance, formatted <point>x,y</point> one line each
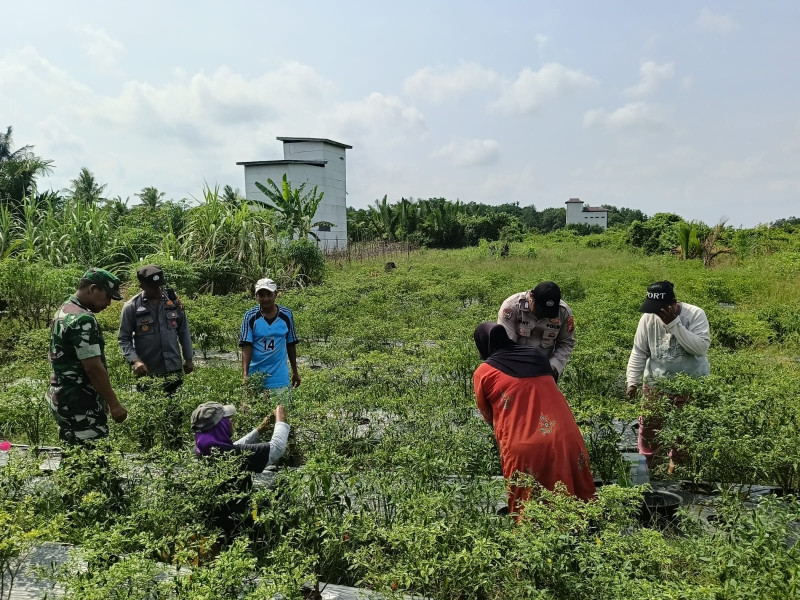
<point>150,274</point>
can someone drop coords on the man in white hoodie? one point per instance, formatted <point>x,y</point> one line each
<point>672,337</point>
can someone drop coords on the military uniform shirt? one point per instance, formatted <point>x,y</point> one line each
<point>554,337</point>
<point>152,334</point>
<point>77,407</point>
<point>269,340</point>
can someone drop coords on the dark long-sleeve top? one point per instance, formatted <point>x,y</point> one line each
<point>153,334</point>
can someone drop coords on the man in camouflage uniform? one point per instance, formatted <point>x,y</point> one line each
<point>541,319</point>
<point>80,392</point>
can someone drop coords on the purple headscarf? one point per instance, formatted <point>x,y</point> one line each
<point>219,436</point>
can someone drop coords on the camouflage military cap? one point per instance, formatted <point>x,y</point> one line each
<point>108,281</point>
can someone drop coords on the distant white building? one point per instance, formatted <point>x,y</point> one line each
<point>315,162</point>
<point>591,215</point>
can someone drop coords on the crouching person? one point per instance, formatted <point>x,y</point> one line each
<point>213,431</point>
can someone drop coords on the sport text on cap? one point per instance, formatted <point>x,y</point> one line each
<point>660,294</point>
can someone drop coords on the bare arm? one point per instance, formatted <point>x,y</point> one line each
<point>98,376</point>
<point>247,356</point>
<point>291,350</point>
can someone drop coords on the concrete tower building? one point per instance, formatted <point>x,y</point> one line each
<point>315,162</point>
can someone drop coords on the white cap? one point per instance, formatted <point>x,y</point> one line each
<point>266,284</point>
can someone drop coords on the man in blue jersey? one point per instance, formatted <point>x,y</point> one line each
<point>267,339</point>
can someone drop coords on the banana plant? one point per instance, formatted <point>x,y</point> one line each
<point>295,208</point>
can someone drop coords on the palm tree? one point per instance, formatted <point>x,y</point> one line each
<point>384,219</point>
<point>18,171</point>
<point>296,210</point>
<point>688,240</point>
<point>85,188</point>
<point>407,216</point>
<point>6,141</point>
<point>233,196</point>
<point>150,197</point>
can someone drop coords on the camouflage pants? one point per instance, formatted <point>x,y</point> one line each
<point>80,414</point>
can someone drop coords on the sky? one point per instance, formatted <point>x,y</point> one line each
<point>680,107</point>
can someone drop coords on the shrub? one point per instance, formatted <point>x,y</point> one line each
<point>179,274</point>
<point>34,291</point>
<point>307,258</point>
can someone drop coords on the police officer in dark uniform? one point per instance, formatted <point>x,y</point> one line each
<point>152,328</point>
<point>540,318</point>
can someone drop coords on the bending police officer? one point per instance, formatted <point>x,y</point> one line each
<point>539,318</point>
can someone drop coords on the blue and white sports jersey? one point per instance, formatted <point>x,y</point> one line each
<point>269,340</point>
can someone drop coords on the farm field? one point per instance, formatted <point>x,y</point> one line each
<point>391,484</point>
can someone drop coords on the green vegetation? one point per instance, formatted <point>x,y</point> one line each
<point>398,489</point>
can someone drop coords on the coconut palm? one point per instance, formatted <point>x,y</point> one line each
<point>150,197</point>
<point>18,171</point>
<point>85,188</point>
<point>384,219</point>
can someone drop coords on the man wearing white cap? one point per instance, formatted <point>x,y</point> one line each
<point>268,338</point>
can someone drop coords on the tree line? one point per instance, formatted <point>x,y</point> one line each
<point>440,223</point>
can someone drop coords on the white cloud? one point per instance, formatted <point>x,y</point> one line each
<point>716,22</point>
<point>634,115</point>
<point>533,89</point>
<point>377,117</point>
<point>593,117</point>
<point>438,85</point>
<point>102,49</point>
<point>202,108</point>
<point>469,153</point>
<point>651,77</point>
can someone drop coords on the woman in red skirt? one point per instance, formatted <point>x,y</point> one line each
<point>532,421</point>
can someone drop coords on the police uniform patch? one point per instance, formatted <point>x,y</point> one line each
<point>570,323</point>
<point>507,314</point>
<point>145,328</point>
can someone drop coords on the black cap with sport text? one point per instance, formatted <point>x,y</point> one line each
<point>660,294</point>
<point>546,299</point>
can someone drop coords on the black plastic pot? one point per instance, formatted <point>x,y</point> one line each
<point>659,509</point>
